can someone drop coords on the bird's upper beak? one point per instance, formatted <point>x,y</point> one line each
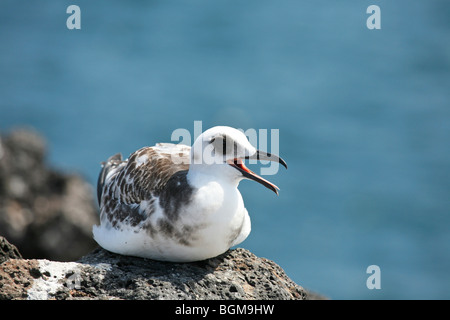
<point>259,155</point>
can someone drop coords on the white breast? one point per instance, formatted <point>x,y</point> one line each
<point>216,215</point>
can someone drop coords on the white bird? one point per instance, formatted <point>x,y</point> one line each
<point>176,203</point>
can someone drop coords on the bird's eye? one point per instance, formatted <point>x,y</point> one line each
<point>223,145</point>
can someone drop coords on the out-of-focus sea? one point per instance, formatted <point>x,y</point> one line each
<point>363,117</point>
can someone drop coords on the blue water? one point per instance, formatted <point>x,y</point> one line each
<point>364,117</point>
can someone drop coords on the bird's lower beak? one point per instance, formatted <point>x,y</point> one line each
<point>247,173</point>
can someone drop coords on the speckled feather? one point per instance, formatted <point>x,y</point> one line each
<point>129,188</point>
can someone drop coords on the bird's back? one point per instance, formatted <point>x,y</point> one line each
<point>124,184</point>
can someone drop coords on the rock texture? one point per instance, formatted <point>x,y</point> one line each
<point>45,213</point>
<point>8,251</point>
<point>236,274</point>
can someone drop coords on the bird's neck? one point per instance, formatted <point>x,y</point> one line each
<point>200,175</point>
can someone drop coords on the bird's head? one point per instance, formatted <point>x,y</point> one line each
<point>224,149</point>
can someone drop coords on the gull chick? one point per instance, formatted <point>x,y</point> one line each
<point>175,203</point>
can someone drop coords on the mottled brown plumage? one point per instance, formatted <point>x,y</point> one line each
<point>125,184</point>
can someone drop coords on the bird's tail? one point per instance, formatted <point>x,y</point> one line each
<point>107,166</point>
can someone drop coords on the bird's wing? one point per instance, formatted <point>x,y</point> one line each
<point>147,171</point>
<point>127,183</point>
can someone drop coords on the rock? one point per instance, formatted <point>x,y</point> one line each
<point>8,251</point>
<point>45,213</point>
<point>236,274</point>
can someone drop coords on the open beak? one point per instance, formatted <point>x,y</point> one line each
<point>259,155</point>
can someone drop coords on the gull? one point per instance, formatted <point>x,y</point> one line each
<point>172,202</point>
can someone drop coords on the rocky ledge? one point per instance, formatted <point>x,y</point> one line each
<point>236,274</point>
